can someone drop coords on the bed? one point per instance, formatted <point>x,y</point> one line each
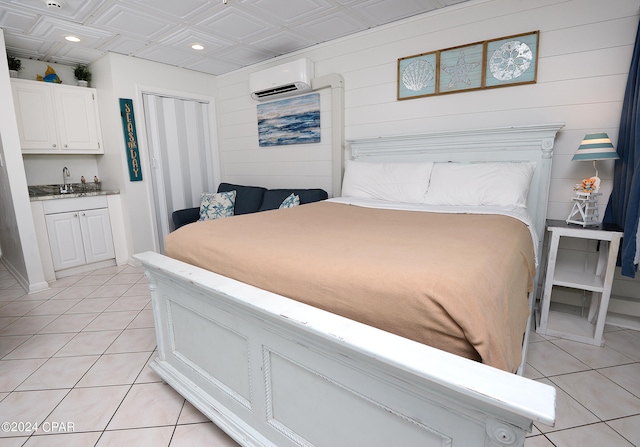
<point>272,371</point>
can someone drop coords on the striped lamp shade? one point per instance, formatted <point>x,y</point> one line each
<point>595,146</point>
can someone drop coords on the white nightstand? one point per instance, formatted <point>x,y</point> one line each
<point>565,273</point>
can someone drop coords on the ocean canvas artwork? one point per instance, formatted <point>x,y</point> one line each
<point>289,121</point>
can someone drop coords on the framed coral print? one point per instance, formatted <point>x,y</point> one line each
<point>461,68</point>
<point>417,75</point>
<point>512,60</point>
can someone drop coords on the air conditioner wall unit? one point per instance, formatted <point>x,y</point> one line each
<point>281,81</point>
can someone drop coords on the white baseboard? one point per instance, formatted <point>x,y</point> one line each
<point>24,283</point>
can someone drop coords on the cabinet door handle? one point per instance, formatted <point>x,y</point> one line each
<point>54,144</point>
<point>65,145</point>
<point>75,215</point>
<point>84,214</point>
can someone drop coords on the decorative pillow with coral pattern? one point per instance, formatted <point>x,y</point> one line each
<point>291,201</point>
<point>217,205</point>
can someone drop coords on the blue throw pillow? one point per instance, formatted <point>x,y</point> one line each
<point>274,197</point>
<point>217,205</point>
<point>291,201</point>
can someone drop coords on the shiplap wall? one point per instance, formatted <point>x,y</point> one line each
<point>584,57</point>
<point>585,51</point>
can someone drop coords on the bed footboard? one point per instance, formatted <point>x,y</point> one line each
<point>274,372</point>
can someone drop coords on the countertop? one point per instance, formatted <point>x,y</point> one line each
<point>49,192</point>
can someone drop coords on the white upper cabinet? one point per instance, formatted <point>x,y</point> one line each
<point>55,118</point>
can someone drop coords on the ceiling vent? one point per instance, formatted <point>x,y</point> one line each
<point>292,78</point>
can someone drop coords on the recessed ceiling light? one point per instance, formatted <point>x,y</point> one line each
<point>72,38</point>
<point>197,46</point>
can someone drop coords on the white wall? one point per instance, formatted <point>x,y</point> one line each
<point>47,169</point>
<point>116,76</point>
<point>571,88</point>
<point>20,252</point>
<point>584,57</point>
<point>32,68</point>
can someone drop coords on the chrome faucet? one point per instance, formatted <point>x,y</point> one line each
<point>65,174</point>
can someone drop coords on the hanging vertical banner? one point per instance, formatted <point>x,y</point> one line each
<point>130,139</point>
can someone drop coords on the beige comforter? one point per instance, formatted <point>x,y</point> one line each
<point>457,282</point>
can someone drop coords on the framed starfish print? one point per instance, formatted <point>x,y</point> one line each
<point>461,68</point>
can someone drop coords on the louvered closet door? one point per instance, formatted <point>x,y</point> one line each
<point>181,155</point>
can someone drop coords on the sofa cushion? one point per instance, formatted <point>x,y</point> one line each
<point>248,198</point>
<point>185,216</point>
<point>273,198</point>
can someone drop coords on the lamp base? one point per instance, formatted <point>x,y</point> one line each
<point>585,209</point>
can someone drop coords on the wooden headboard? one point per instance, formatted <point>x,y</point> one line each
<point>517,143</point>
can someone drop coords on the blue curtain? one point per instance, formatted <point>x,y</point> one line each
<point>624,203</point>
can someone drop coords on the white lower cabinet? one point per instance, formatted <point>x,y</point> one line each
<point>96,235</point>
<point>80,236</point>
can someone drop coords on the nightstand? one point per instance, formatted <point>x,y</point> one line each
<point>577,274</point>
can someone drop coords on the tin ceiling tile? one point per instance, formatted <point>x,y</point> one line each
<point>236,34</point>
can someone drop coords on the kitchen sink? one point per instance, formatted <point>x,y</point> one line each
<point>54,190</point>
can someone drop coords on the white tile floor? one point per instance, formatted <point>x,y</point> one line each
<point>78,354</point>
<point>598,390</point>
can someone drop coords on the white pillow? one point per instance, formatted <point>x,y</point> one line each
<point>490,183</point>
<point>396,182</point>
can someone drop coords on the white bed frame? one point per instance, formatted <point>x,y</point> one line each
<point>274,372</point>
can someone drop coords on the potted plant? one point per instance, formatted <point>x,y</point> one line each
<point>15,65</point>
<point>83,75</point>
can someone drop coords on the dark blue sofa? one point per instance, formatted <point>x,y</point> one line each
<point>252,199</point>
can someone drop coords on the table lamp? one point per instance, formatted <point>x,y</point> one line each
<point>594,147</point>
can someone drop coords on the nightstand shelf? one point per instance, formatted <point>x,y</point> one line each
<point>578,280</point>
<point>565,273</point>
<point>566,325</point>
